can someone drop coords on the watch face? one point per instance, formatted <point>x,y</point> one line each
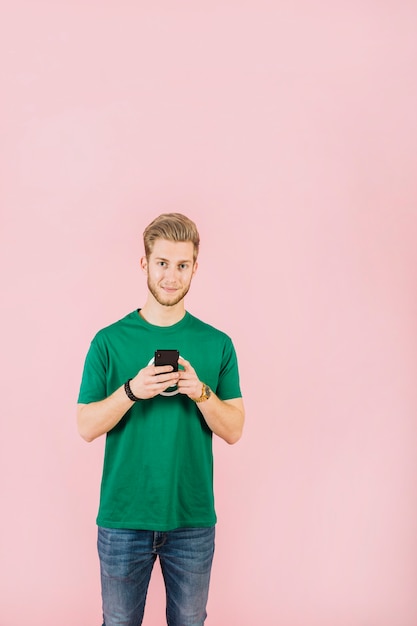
<point>205,393</point>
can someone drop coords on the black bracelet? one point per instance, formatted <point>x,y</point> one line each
<point>129,393</point>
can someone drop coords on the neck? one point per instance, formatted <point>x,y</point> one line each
<point>160,315</point>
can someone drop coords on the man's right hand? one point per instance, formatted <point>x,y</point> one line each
<point>151,380</point>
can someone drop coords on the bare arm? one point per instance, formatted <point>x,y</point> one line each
<point>97,418</point>
<point>224,417</point>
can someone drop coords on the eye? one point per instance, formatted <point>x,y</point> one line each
<point>183,266</point>
<point>162,263</point>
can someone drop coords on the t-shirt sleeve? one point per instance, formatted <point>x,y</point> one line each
<point>94,381</point>
<point>229,386</point>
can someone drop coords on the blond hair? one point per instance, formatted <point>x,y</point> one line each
<point>173,227</point>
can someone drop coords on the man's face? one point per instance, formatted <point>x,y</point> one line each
<point>169,269</point>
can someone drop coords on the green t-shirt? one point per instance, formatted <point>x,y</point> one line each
<point>158,462</point>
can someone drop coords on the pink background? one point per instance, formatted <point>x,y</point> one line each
<point>288,131</point>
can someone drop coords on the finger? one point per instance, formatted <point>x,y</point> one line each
<point>187,374</point>
<point>155,380</point>
<point>157,387</point>
<point>187,384</point>
<point>165,378</point>
<point>161,369</point>
<point>186,364</point>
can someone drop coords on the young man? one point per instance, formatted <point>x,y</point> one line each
<point>157,484</point>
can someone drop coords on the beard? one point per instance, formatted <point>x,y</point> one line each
<point>166,300</point>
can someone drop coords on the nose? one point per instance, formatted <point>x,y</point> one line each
<point>171,275</point>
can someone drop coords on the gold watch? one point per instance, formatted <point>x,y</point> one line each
<point>205,393</point>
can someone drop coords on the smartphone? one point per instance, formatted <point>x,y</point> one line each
<point>167,357</point>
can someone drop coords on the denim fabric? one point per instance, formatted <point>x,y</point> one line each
<point>126,561</point>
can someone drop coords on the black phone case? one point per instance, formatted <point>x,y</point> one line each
<point>167,357</point>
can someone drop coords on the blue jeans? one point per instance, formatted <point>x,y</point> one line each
<point>126,561</point>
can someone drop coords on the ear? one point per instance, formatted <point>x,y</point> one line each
<point>144,264</point>
<point>195,267</point>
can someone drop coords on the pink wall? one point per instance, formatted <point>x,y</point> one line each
<point>288,132</point>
